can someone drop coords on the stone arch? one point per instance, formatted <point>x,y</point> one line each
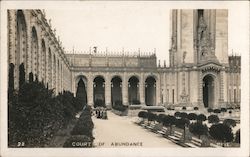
<point>58,78</point>
<point>81,91</point>
<point>99,90</point>
<point>150,90</point>
<point>50,62</point>
<point>116,89</point>
<point>54,72</point>
<point>43,59</point>
<point>34,52</point>
<point>21,52</point>
<point>151,75</point>
<point>133,90</point>
<point>209,87</point>
<point>117,75</point>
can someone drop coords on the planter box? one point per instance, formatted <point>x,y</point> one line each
<point>154,108</point>
<point>120,113</point>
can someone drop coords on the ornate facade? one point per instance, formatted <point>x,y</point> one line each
<point>200,73</point>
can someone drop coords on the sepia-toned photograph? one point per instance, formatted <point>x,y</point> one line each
<point>125,75</point>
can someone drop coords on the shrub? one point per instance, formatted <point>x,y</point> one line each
<point>136,102</point>
<point>181,123</point>
<point>84,125</point>
<point>217,111</point>
<point>209,110</point>
<point>184,108</point>
<point>119,106</point>
<point>201,117</point>
<point>99,103</point>
<point>230,112</point>
<point>213,119</point>
<point>21,75</point>
<point>177,114</point>
<point>237,136</point>
<point>11,77</point>
<point>31,77</point>
<point>223,110</point>
<point>192,116</point>
<point>78,141</point>
<point>196,108</point>
<point>183,115</point>
<point>221,132</point>
<point>230,108</point>
<point>229,122</point>
<point>198,129</point>
<point>152,116</point>
<point>169,120</point>
<point>160,118</point>
<point>142,114</point>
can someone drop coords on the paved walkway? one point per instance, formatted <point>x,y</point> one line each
<point>122,132</point>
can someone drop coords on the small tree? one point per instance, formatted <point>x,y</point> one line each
<point>177,114</point>
<point>223,110</point>
<point>151,117</point>
<point>192,116</point>
<point>21,75</point>
<point>183,115</point>
<point>201,118</point>
<point>221,133</point>
<point>31,77</point>
<point>196,108</point>
<point>143,115</point>
<point>237,136</point>
<point>184,108</point>
<point>229,122</point>
<point>213,119</point>
<point>198,129</point>
<point>209,110</point>
<point>11,77</point>
<point>182,123</point>
<point>160,118</point>
<point>169,121</point>
<point>217,111</point>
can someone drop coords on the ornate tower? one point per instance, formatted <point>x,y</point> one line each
<point>202,34</point>
<point>199,56</point>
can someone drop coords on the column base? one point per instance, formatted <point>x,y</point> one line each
<point>108,106</point>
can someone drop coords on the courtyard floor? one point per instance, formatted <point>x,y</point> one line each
<point>120,131</point>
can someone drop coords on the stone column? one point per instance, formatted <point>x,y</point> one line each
<point>108,91</point>
<point>125,90</point>
<point>90,91</point>
<point>158,91</point>
<point>142,89</point>
<point>200,82</point>
<point>164,89</point>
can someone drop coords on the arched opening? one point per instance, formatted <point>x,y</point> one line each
<point>34,52</point>
<point>150,91</point>
<point>21,53</point>
<point>81,94</point>
<point>50,69</point>
<point>99,91</point>
<point>43,60</point>
<point>208,91</point>
<point>133,92</point>
<point>116,90</point>
<point>58,77</point>
<point>54,72</point>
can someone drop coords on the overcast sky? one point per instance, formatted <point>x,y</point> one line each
<point>130,26</point>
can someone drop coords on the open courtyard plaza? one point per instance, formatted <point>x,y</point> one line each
<point>120,131</point>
